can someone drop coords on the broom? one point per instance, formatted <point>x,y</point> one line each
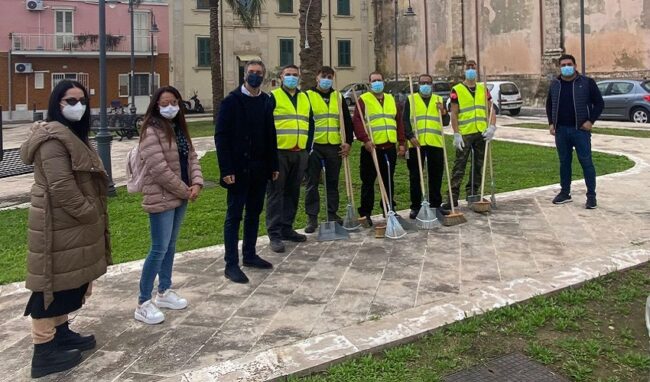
<point>426,218</point>
<point>453,218</point>
<point>482,205</point>
<point>393,229</point>
<point>351,219</point>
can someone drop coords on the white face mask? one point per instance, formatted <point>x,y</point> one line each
<point>169,111</point>
<point>74,113</point>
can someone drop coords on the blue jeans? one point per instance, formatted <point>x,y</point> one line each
<point>160,260</point>
<point>566,138</point>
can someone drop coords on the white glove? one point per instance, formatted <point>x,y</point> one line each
<point>458,142</point>
<point>488,134</point>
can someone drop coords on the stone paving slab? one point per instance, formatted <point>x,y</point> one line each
<point>324,302</point>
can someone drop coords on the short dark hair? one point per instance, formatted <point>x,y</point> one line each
<point>375,72</point>
<point>255,62</point>
<point>80,128</point>
<point>290,66</point>
<point>326,70</point>
<point>566,57</point>
<point>471,62</point>
<point>425,75</point>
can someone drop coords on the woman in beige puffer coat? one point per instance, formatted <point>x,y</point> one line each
<point>68,238</point>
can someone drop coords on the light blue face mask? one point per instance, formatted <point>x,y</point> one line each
<point>377,86</point>
<point>567,71</point>
<point>291,82</point>
<point>425,89</point>
<point>325,83</point>
<point>470,74</point>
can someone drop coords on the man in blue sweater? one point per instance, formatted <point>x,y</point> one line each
<point>573,105</point>
<point>248,159</point>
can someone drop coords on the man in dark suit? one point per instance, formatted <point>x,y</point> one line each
<point>247,155</point>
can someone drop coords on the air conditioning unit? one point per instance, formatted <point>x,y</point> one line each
<point>23,67</point>
<point>34,5</point>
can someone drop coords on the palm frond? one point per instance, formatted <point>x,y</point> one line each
<point>249,12</point>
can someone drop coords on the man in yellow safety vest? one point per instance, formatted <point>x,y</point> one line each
<point>328,148</point>
<point>294,128</point>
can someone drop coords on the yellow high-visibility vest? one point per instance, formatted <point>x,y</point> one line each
<point>427,119</point>
<point>472,115</point>
<point>326,118</point>
<point>383,125</point>
<point>291,123</point>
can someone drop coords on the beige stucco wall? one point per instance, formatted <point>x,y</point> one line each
<point>263,41</point>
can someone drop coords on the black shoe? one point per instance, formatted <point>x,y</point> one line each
<point>312,224</point>
<point>294,236</point>
<point>235,274</point>
<point>369,221</point>
<point>591,203</point>
<point>66,339</point>
<point>334,218</point>
<point>442,212</point>
<point>257,262</point>
<point>447,206</point>
<point>49,359</point>
<point>413,214</point>
<point>562,198</point>
<point>277,246</point>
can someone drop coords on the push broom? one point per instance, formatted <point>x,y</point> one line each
<point>482,205</point>
<point>393,229</point>
<point>426,217</point>
<point>454,217</point>
<point>351,219</point>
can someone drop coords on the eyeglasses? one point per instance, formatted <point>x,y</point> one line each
<point>73,101</point>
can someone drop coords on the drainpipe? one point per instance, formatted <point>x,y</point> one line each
<point>462,23</point>
<point>562,25</point>
<point>10,75</point>
<point>478,50</point>
<point>426,36</point>
<point>329,28</point>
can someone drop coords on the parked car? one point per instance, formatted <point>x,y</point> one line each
<point>626,100</point>
<point>505,96</point>
<point>358,88</point>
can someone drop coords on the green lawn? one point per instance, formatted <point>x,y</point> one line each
<point>595,332</point>
<point>201,129</point>
<point>517,166</point>
<point>596,130</point>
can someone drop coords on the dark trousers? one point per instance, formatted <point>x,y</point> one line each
<point>476,142</point>
<point>369,175</point>
<point>436,163</point>
<point>566,138</point>
<point>283,194</point>
<point>250,197</point>
<point>330,155</point>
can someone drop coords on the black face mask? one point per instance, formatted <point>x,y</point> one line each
<point>254,80</point>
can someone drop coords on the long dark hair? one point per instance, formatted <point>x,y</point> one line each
<point>80,128</point>
<point>153,117</point>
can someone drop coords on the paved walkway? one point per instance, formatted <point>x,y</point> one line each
<point>326,301</point>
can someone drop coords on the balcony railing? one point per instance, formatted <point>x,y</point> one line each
<point>23,42</point>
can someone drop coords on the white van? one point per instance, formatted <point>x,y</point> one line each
<point>505,96</point>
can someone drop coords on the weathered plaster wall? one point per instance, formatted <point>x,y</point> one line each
<point>617,34</point>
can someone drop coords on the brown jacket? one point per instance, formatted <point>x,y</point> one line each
<point>163,187</point>
<point>68,238</point>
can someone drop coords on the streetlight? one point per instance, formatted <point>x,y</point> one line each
<point>104,137</point>
<point>583,63</point>
<point>154,29</point>
<point>132,4</point>
<point>409,12</point>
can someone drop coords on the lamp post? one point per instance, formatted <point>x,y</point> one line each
<point>154,29</point>
<point>409,12</point>
<point>103,136</point>
<point>583,63</point>
<point>132,109</point>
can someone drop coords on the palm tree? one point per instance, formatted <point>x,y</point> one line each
<point>311,54</point>
<point>248,12</point>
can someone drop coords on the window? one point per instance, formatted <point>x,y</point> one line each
<point>141,84</point>
<point>63,29</point>
<point>621,88</point>
<point>508,89</point>
<point>603,87</point>
<point>345,53</point>
<point>286,51</point>
<point>58,77</point>
<point>202,4</point>
<point>343,7</point>
<point>285,6</point>
<point>203,51</point>
<point>39,80</point>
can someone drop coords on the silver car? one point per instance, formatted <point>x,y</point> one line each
<point>349,90</point>
<point>627,100</point>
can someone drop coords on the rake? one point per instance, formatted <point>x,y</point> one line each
<point>426,217</point>
<point>351,219</point>
<point>393,229</point>
<point>453,218</point>
<point>493,198</point>
<point>482,205</point>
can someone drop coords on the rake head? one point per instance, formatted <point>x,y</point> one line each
<point>393,229</point>
<point>351,219</point>
<point>426,217</point>
<point>481,207</point>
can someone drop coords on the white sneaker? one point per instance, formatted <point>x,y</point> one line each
<point>149,313</point>
<point>170,300</point>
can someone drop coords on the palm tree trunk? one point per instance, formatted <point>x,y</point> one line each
<point>311,59</point>
<point>215,58</point>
